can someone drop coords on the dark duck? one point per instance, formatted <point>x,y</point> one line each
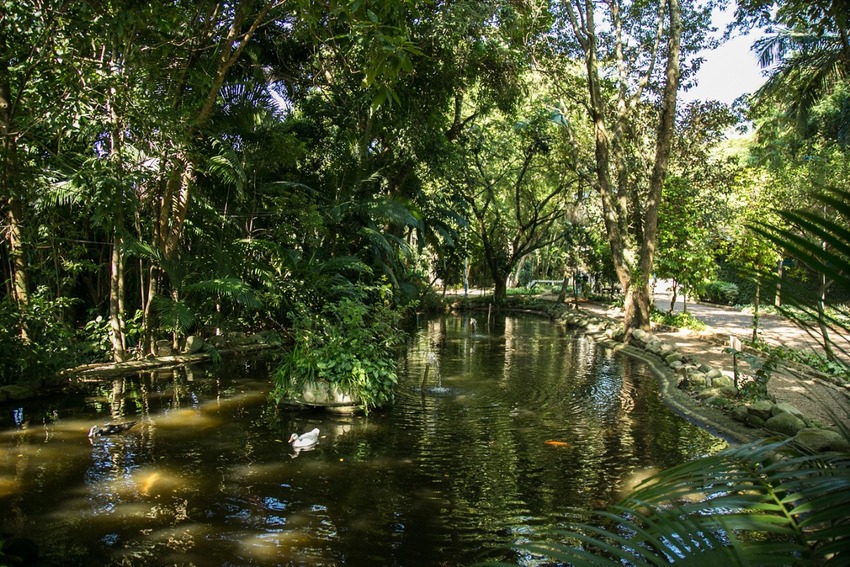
<point>110,428</point>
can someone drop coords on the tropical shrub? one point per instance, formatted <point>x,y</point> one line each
<point>753,385</point>
<point>49,345</point>
<point>350,343</point>
<point>724,293</point>
<point>679,320</point>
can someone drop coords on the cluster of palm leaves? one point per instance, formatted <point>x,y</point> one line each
<point>821,243</point>
<point>764,503</point>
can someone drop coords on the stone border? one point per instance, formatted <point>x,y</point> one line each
<point>700,393</point>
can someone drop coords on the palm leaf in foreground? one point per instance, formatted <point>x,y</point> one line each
<point>764,503</point>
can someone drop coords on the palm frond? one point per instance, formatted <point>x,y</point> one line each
<point>283,187</point>
<point>176,316</point>
<point>394,212</point>
<point>806,68</point>
<point>777,47</point>
<point>226,167</point>
<point>343,264</point>
<point>231,288</point>
<point>756,504</point>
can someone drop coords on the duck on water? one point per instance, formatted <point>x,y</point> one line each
<point>304,440</point>
<point>110,429</point>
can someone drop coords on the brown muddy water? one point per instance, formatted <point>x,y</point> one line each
<point>522,428</point>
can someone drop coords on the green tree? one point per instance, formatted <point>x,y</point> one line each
<point>519,185</point>
<point>697,193</point>
<point>685,254</point>
<point>633,55</point>
<point>807,54</point>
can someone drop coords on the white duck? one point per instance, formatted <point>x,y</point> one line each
<point>305,440</point>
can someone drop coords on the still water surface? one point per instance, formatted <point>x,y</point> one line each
<point>522,427</point>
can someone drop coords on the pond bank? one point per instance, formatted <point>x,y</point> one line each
<point>697,383</point>
<point>56,384</point>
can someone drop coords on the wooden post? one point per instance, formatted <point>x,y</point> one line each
<point>425,376</point>
<point>735,345</point>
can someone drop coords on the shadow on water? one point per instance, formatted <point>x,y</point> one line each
<point>520,428</point>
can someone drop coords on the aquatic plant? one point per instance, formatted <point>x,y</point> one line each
<point>350,344</point>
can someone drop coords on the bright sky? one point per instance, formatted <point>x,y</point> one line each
<point>728,71</point>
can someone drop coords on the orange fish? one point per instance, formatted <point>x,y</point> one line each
<point>558,443</point>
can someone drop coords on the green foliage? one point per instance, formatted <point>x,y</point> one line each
<point>349,343</point>
<point>813,360</point>
<point>753,386</point>
<point>724,293</point>
<point>49,346</point>
<point>765,503</point>
<point>820,240</point>
<point>514,291</point>
<point>95,338</point>
<point>679,320</point>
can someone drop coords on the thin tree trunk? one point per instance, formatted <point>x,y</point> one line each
<point>575,289</point>
<point>14,205</point>
<point>175,333</point>
<point>756,305</point>
<point>148,343</point>
<point>673,297</point>
<point>116,276</point>
<point>562,295</point>
<point>780,268</point>
<point>9,177</point>
<point>116,289</point>
<point>822,318</point>
<point>20,276</point>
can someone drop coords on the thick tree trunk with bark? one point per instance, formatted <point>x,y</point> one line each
<point>11,194</point>
<point>631,225</point>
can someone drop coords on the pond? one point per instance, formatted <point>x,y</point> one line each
<point>522,427</point>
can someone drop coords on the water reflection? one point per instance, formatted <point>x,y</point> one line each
<point>523,426</point>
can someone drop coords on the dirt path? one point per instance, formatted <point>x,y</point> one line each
<point>819,398</point>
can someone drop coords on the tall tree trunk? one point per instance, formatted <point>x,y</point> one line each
<point>148,342</point>
<point>639,318</point>
<point>673,297</point>
<point>632,266</point>
<point>116,300</point>
<point>20,285</point>
<point>780,268</point>
<point>116,265</point>
<point>501,287</point>
<point>562,295</point>
<point>756,304</point>
<point>575,288</point>
<point>178,190</point>
<point>9,177</point>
